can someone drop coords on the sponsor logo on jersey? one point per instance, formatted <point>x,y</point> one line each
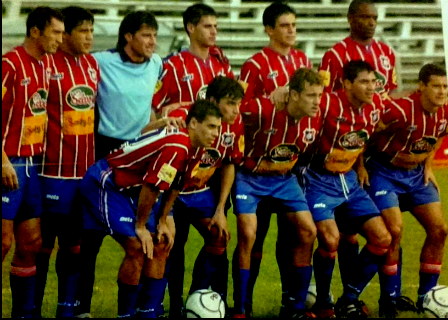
<point>57,76</point>
<point>284,153</point>
<point>320,205</point>
<point>80,97</point>
<point>126,219</point>
<point>442,126</point>
<point>188,77</point>
<point>52,196</point>
<point>385,62</point>
<point>309,135</point>
<point>93,75</point>
<point>228,138</point>
<point>424,145</point>
<point>38,102</point>
<point>25,82</point>
<point>241,196</point>
<point>202,93</point>
<point>209,158</point>
<point>380,193</point>
<point>354,140</point>
<point>167,173</point>
<point>380,82</point>
<point>375,116</point>
<point>273,74</point>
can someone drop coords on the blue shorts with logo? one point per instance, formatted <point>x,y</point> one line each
<point>108,209</point>
<point>26,202</point>
<point>251,188</point>
<point>394,187</point>
<point>59,196</point>
<point>325,191</point>
<point>201,205</point>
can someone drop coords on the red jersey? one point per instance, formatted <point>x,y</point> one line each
<point>345,131</point>
<point>25,83</point>
<point>154,158</point>
<point>69,143</point>
<point>411,132</point>
<point>278,138</point>
<point>379,55</point>
<point>228,147</point>
<point>185,77</point>
<point>268,69</point>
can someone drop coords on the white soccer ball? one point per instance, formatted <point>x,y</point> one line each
<point>435,302</point>
<point>205,303</point>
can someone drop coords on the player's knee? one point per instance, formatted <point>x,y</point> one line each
<point>439,233</point>
<point>248,236</point>
<point>215,249</point>
<point>160,251</point>
<point>383,240</point>
<point>350,238</point>
<point>396,232</point>
<point>6,245</point>
<point>308,234</point>
<point>331,243</point>
<point>31,245</point>
<point>134,248</point>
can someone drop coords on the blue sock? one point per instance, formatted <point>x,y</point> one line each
<point>205,267</point>
<point>347,255</point>
<point>255,263</point>
<point>127,297</point>
<point>22,291</point>
<point>149,296</point>
<point>389,284</point>
<point>221,277</point>
<point>323,272</point>
<point>240,286</point>
<point>42,263</point>
<point>300,282</point>
<point>365,269</point>
<point>427,281</point>
<point>68,273</point>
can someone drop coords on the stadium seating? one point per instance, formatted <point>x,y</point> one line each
<point>413,30</point>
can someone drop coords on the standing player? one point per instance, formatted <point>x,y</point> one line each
<point>120,191</point>
<point>26,74</point>
<point>330,182</point>
<point>266,173</point>
<point>68,152</point>
<point>400,173</point>
<point>202,202</point>
<point>128,80</point>
<point>360,45</point>
<point>265,72</point>
<point>187,73</point>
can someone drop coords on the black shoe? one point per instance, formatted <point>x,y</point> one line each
<point>405,304</point>
<point>248,309</point>
<point>388,308</point>
<point>350,309</point>
<point>290,312</point>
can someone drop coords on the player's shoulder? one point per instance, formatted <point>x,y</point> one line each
<point>257,59</point>
<point>175,59</point>
<point>181,112</point>
<point>13,56</point>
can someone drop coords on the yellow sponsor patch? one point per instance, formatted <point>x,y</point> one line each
<point>270,167</point>
<point>241,144</point>
<point>159,85</point>
<point>341,160</point>
<point>3,91</point>
<point>325,77</point>
<point>167,173</point>
<point>34,129</point>
<point>409,161</point>
<point>394,76</point>
<point>200,176</point>
<point>243,84</point>
<point>78,123</point>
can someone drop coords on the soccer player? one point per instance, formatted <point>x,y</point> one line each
<point>360,45</point>
<point>202,200</point>
<point>125,91</point>
<point>187,73</point>
<point>331,182</point>
<point>266,173</point>
<point>120,191</point>
<point>400,176</point>
<point>268,72</point>
<point>26,72</point>
<point>68,152</point>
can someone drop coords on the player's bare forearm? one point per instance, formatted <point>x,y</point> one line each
<point>148,196</point>
<point>9,175</point>
<point>168,202</point>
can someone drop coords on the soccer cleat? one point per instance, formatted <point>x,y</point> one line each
<point>405,304</point>
<point>324,310</point>
<point>248,309</point>
<point>290,312</point>
<point>388,308</point>
<point>350,309</point>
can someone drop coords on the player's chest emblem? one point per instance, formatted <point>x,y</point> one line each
<point>385,62</point>
<point>375,116</point>
<point>309,135</point>
<point>57,76</point>
<point>273,74</point>
<point>284,152</point>
<point>80,98</point>
<point>93,75</point>
<point>202,92</point>
<point>442,126</point>
<point>25,81</point>
<point>270,131</point>
<point>354,140</point>
<point>209,158</point>
<point>38,102</point>
<point>188,77</point>
<point>228,138</point>
<point>424,145</point>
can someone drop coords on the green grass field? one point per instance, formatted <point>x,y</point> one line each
<point>267,291</point>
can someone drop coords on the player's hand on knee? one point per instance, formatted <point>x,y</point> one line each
<point>164,234</point>
<point>9,176</point>
<point>219,223</point>
<point>147,244</point>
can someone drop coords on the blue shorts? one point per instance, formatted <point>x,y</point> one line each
<point>389,186</point>
<point>201,205</point>
<point>106,208</point>
<point>26,202</point>
<point>325,192</point>
<point>250,188</point>
<point>58,195</point>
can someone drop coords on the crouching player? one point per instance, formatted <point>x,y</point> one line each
<point>266,174</point>
<point>120,191</point>
<point>400,174</point>
<point>330,182</point>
